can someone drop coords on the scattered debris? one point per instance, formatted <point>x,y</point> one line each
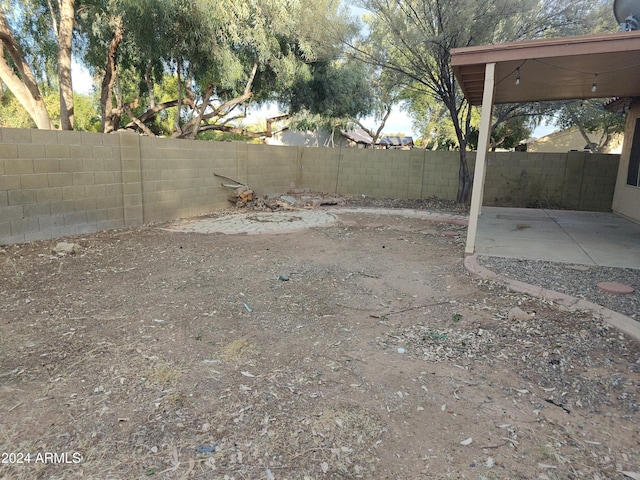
<point>206,449</point>
<point>288,199</point>
<point>139,394</point>
<point>516,314</point>
<point>66,248</point>
<point>242,194</point>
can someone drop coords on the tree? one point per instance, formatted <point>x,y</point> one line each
<point>18,76</point>
<point>46,30</point>
<point>415,37</point>
<point>63,30</point>
<point>590,117</point>
<point>224,54</point>
<point>331,96</point>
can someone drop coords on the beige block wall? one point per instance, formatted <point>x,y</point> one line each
<point>626,199</point>
<point>574,180</point>
<point>177,177</point>
<point>55,183</point>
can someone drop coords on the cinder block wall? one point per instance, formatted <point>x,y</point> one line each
<point>176,177</point>
<point>379,173</point>
<point>54,184</point>
<point>572,181</point>
<point>58,183</point>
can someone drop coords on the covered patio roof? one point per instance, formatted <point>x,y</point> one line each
<point>553,69</point>
<point>593,66</point>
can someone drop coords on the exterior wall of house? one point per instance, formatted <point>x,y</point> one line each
<point>570,139</point>
<point>54,183</point>
<point>321,138</point>
<point>626,199</point>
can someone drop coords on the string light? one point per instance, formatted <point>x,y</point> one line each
<point>594,87</point>
<point>518,76</point>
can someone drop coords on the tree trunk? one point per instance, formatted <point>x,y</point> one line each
<point>464,179</point>
<point>106,95</point>
<point>462,133</point>
<point>203,107</point>
<point>178,129</point>
<point>65,36</point>
<point>23,85</point>
<point>376,137</point>
<point>149,81</point>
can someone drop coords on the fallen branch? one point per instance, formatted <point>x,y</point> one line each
<point>410,308</point>
<point>230,179</point>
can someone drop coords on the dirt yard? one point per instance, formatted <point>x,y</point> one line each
<point>357,350</point>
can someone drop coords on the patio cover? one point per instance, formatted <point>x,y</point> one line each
<point>593,66</point>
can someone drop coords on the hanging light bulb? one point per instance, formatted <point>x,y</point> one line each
<point>594,87</point>
<point>518,76</point>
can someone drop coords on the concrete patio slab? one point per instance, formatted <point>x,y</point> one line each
<point>587,238</point>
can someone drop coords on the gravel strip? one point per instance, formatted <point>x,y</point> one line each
<point>579,281</point>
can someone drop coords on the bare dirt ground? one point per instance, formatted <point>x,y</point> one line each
<point>156,354</point>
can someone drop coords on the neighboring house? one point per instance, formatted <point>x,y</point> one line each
<point>568,140</point>
<point>357,137</point>
<point>354,138</point>
<point>401,143</point>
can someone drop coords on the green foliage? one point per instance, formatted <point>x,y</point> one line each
<point>334,90</point>
<point>211,44</point>
<point>414,38</point>
<point>87,116</point>
<point>217,136</point>
<point>306,121</point>
<point>591,117</point>
<point>31,23</point>
<point>12,115</point>
<point>506,135</point>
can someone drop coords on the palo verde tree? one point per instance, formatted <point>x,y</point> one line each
<point>415,38</point>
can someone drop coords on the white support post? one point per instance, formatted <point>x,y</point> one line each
<point>481,157</point>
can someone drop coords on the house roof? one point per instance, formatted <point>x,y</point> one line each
<point>553,69</point>
<point>395,141</point>
<point>357,135</point>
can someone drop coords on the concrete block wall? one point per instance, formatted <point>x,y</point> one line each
<point>318,168</point>
<point>379,173</point>
<point>269,169</point>
<point>525,179</point>
<point>598,182</point>
<point>440,174</point>
<point>56,183</point>
<point>573,180</point>
<point>177,177</point>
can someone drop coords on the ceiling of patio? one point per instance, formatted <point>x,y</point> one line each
<point>553,69</point>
